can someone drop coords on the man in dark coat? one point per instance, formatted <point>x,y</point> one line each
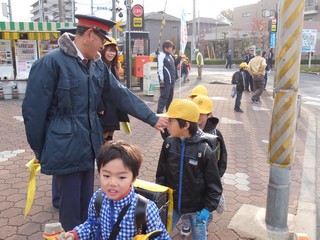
<point>60,113</point>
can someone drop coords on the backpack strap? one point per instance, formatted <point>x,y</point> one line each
<point>116,227</point>
<point>140,214</point>
<point>97,204</point>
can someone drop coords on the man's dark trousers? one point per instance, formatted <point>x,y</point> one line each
<point>166,96</point>
<point>75,207</point>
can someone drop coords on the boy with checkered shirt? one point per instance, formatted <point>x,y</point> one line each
<point>118,165</point>
<point>194,178</point>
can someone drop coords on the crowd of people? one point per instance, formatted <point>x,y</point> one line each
<point>71,115</point>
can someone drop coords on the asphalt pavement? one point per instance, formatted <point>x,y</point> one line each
<point>245,182</point>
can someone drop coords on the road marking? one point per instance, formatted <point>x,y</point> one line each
<point>312,103</point>
<point>230,121</point>
<point>19,118</point>
<point>5,155</point>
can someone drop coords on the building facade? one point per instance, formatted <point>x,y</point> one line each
<point>48,11</point>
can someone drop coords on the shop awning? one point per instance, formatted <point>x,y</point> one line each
<point>35,30</point>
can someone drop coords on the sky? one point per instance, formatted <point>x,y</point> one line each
<point>21,8</point>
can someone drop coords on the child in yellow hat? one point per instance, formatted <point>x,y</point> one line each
<point>188,166</point>
<point>208,123</point>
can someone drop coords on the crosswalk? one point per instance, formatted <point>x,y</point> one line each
<point>312,101</point>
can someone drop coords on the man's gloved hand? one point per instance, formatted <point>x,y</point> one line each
<point>203,215</point>
<point>161,84</point>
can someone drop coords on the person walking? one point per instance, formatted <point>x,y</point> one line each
<point>228,59</point>
<point>185,68</point>
<point>239,79</point>
<point>270,58</point>
<point>60,113</point>
<point>167,75</point>
<point>257,68</point>
<point>264,55</point>
<point>249,80</point>
<point>199,62</point>
<point>109,115</point>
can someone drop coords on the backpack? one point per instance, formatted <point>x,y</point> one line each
<point>139,212</point>
<point>236,78</point>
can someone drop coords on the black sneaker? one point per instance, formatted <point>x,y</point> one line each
<point>185,231</point>
<point>239,110</point>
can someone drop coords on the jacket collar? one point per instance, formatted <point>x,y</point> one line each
<point>67,45</point>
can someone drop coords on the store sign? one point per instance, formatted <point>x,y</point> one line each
<point>137,17</point>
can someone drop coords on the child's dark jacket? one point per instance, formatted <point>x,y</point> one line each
<point>198,176</point>
<point>211,128</point>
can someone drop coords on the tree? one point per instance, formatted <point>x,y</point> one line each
<point>226,15</point>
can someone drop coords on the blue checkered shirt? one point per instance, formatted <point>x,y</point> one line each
<point>89,228</point>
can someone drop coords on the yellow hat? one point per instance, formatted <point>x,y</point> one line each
<point>198,90</point>
<point>204,104</point>
<point>243,65</point>
<point>184,109</point>
<point>112,42</point>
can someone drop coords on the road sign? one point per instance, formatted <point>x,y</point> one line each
<point>272,40</point>
<point>118,26</point>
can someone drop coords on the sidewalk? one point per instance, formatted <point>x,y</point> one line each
<point>245,181</point>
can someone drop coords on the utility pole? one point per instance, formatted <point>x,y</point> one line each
<point>72,10</point>
<point>193,40</point>
<point>114,18</point>
<point>128,45</point>
<point>61,11</point>
<point>10,10</point>
<point>92,7</point>
<point>281,148</point>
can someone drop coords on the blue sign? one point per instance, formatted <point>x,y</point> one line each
<point>272,39</point>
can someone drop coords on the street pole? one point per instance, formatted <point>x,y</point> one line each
<point>10,10</point>
<point>114,17</point>
<point>128,44</point>
<point>281,148</point>
<point>193,40</point>
<point>72,11</point>
<point>61,11</point>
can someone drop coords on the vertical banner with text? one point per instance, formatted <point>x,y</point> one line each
<point>183,31</point>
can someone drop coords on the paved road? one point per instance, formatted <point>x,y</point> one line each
<point>245,182</point>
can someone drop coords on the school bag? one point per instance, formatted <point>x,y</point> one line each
<point>236,78</point>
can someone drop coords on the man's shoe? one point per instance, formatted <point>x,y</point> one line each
<point>185,231</point>
<point>239,110</point>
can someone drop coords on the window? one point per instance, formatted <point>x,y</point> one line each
<point>246,14</point>
<point>268,13</point>
<point>309,3</point>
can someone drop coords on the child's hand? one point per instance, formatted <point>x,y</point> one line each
<point>203,216</point>
<point>66,236</point>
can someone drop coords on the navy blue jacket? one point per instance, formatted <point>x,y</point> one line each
<point>60,109</point>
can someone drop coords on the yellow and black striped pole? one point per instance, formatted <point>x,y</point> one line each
<point>281,148</point>
<point>163,22</point>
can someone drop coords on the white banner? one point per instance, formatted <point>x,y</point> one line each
<point>183,31</point>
